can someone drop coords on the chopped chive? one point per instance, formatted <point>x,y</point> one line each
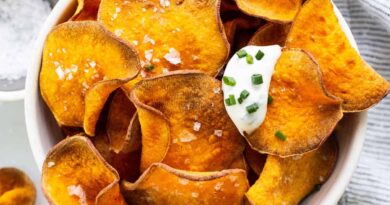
<point>257,79</point>
<point>280,135</point>
<point>230,101</point>
<point>252,108</point>
<point>249,59</point>
<point>259,55</point>
<point>149,67</point>
<point>270,99</point>
<point>244,94</point>
<point>229,80</point>
<point>240,100</point>
<point>241,53</point>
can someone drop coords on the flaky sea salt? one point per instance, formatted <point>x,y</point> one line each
<point>218,133</point>
<point>20,21</point>
<point>173,56</point>
<point>165,3</point>
<point>218,186</point>
<point>149,54</point>
<point>195,194</point>
<point>147,39</point>
<point>51,164</point>
<point>77,190</point>
<point>197,126</point>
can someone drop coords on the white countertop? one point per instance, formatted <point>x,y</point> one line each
<point>14,146</point>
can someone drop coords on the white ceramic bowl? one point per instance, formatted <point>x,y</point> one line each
<point>43,131</point>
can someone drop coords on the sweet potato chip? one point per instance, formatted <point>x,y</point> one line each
<point>76,56</point>
<point>270,34</point>
<point>255,160</point>
<point>316,29</point>
<point>75,173</point>
<point>184,123</point>
<point>181,35</point>
<point>161,184</point>
<point>239,163</point>
<point>86,10</point>
<point>126,163</point>
<point>240,30</point>
<point>120,115</point>
<point>16,188</point>
<point>302,114</point>
<point>95,98</point>
<point>280,11</point>
<point>230,29</point>
<point>289,180</point>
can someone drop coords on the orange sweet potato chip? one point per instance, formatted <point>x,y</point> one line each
<point>316,29</point>
<point>86,10</point>
<point>280,11</point>
<point>95,99</point>
<point>161,184</point>
<point>76,56</point>
<point>126,162</point>
<point>16,188</point>
<point>120,114</point>
<point>270,34</point>
<point>184,123</point>
<point>239,163</point>
<point>75,173</point>
<point>289,180</point>
<point>169,35</point>
<point>255,160</point>
<point>302,114</point>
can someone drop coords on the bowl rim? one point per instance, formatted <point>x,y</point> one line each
<point>31,94</point>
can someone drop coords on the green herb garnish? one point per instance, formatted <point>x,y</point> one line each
<point>252,108</point>
<point>280,135</point>
<point>241,53</point>
<point>229,80</point>
<point>149,67</point>
<point>257,79</point>
<point>270,99</point>
<point>230,101</point>
<point>244,94</point>
<point>249,59</point>
<point>259,55</point>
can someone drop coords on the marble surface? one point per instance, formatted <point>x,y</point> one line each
<point>14,146</point>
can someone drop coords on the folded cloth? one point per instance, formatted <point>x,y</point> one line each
<point>370,23</point>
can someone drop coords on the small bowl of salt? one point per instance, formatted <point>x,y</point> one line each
<point>20,22</point>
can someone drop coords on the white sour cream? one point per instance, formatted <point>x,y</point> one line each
<point>242,72</point>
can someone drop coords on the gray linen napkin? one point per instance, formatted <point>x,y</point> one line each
<point>370,24</point>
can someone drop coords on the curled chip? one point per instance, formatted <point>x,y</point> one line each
<point>16,188</point>
<point>169,35</point>
<point>86,10</point>
<point>120,115</point>
<point>289,180</point>
<point>161,184</point>
<point>184,123</point>
<point>239,163</point>
<point>316,29</point>
<point>126,162</point>
<point>270,34</point>
<point>95,98</point>
<point>302,114</point>
<point>75,173</point>
<point>82,64</point>
<point>280,11</point>
<point>240,30</point>
<point>255,160</point>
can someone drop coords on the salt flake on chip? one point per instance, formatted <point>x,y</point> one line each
<point>173,56</point>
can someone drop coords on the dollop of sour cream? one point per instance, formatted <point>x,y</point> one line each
<point>239,71</point>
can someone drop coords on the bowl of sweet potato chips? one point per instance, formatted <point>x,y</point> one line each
<point>124,103</point>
